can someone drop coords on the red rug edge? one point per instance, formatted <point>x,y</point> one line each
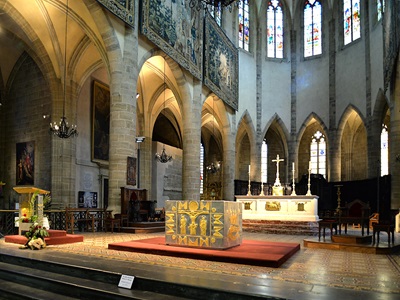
<point>155,246</point>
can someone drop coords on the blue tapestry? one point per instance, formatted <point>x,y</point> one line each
<point>123,9</point>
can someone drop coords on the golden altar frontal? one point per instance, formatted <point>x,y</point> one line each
<point>203,224</point>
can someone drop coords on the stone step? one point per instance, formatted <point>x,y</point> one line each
<point>281,227</point>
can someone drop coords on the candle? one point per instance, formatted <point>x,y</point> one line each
<point>309,165</point>
<point>249,169</point>
<point>293,166</point>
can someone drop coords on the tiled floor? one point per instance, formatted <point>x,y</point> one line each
<point>309,274</point>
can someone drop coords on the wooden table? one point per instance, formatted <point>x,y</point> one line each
<point>323,224</point>
<point>377,228</point>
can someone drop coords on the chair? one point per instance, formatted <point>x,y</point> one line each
<point>373,219</point>
<point>109,221</point>
<point>123,218</point>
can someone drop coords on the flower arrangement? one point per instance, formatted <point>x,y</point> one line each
<point>35,235</point>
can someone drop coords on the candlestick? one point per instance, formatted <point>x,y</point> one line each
<point>309,183</point>
<point>249,191</point>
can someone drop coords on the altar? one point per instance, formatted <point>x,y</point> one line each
<point>282,208</point>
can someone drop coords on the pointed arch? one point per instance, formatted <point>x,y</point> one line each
<point>311,125</point>
<point>352,134</point>
<point>245,146</point>
<point>276,136</point>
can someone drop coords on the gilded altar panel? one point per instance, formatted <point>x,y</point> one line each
<point>203,224</point>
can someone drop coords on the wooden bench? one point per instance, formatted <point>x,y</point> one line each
<point>83,218</point>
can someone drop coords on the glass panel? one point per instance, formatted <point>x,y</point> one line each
<point>279,33</point>
<point>264,162</point>
<point>347,21</point>
<point>308,28</point>
<point>244,25</point>
<point>384,151</point>
<point>356,20</point>
<point>317,30</point>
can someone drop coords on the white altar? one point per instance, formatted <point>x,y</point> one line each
<point>282,208</point>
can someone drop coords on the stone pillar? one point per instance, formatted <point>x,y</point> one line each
<point>191,143</point>
<point>394,144</point>
<point>228,166</point>
<point>124,73</point>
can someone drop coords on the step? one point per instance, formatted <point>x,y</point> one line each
<point>281,227</point>
<point>142,229</point>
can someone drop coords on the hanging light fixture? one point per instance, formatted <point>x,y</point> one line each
<point>62,130</point>
<point>163,157</point>
<point>199,4</point>
<point>213,167</point>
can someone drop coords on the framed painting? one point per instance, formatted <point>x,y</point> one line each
<point>177,30</point>
<point>100,122</point>
<point>25,163</point>
<point>123,9</point>
<point>131,171</point>
<point>220,63</point>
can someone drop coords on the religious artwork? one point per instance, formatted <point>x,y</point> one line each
<point>177,30</point>
<point>220,63</point>
<point>123,9</point>
<point>87,199</point>
<point>273,205</point>
<point>100,122</point>
<point>25,163</point>
<point>131,171</point>
<point>203,224</point>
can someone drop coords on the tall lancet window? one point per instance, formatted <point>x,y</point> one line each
<point>380,8</point>
<point>312,28</point>
<point>351,19</point>
<point>201,168</point>
<point>216,13</point>
<point>275,29</point>
<point>318,154</point>
<point>244,25</point>
<point>264,161</point>
<point>384,151</point>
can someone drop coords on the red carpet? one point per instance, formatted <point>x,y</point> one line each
<point>258,253</point>
<point>56,237</point>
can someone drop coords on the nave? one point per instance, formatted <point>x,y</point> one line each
<point>309,274</point>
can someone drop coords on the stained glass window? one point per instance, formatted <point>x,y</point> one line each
<point>264,163</point>
<point>380,8</point>
<point>384,151</point>
<point>275,29</point>
<point>351,19</point>
<point>216,13</point>
<point>312,28</point>
<point>318,154</point>
<point>244,25</point>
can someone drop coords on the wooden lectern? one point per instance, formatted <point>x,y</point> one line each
<point>25,194</point>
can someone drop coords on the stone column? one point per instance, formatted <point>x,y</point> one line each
<point>228,165</point>
<point>191,143</point>
<point>394,144</point>
<point>124,73</point>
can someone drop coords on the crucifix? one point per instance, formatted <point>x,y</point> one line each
<point>277,160</point>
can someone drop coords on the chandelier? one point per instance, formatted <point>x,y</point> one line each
<point>213,168</point>
<point>199,4</point>
<point>62,130</point>
<point>163,157</point>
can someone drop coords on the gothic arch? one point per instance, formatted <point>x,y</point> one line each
<point>312,124</point>
<point>245,146</point>
<point>353,145</point>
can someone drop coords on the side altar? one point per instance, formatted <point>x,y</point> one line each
<point>203,224</point>
<point>282,208</point>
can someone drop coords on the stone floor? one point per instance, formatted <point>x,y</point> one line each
<point>309,274</point>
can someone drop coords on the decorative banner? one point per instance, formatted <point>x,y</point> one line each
<point>123,9</point>
<point>100,122</point>
<point>177,30</point>
<point>391,33</point>
<point>220,63</point>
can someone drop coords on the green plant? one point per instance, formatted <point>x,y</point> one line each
<point>36,235</point>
